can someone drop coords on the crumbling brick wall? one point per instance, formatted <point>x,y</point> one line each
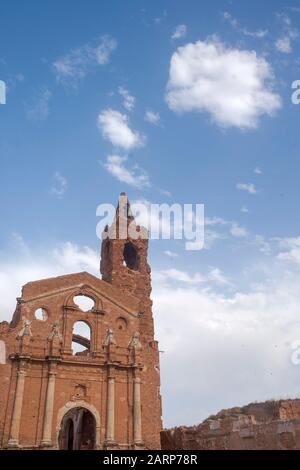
<point>269,425</point>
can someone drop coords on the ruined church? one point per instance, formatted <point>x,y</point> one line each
<point>63,390</point>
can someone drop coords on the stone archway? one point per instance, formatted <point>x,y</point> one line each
<point>78,427</point>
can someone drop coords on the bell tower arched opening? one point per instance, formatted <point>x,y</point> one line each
<point>131,256</point>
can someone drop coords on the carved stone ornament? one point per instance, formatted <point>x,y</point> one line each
<point>26,329</point>
<point>55,333</point>
<point>135,342</point>
<point>109,338</point>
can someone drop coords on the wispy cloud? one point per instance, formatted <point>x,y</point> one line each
<point>134,176</point>
<point>128,99</point>
<point>249,187</point>
<point>59,186</point>
<point>71,68</point>
<point>178,276</point>
<point>152,117</point>
<point>159,19</point>
<point>291,251</point>
<point>171,254</point>
<point>238,231</point>
<point>259,34</point>
<point>179,32</point>
<point>115,128</point>
<point>104,49</point>
<point>40,109</point>
<point>284,43</point>
<point>217,276</point>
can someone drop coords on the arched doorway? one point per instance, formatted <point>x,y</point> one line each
<point>78,430</point>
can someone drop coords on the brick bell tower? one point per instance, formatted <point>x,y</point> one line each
<point>124,261</point>
<point>105,395</point>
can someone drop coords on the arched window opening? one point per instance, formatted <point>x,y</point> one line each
<point>81,339</point>
<point>131,257</point>
<point>84,302</point>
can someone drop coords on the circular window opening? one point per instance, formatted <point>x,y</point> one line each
<point>131,257</point>
<point>84,302</point>
<point>41,314</point>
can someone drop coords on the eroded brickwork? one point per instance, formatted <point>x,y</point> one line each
<point>108,395</point>
<point>270,425</point>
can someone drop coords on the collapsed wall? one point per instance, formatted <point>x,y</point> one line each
<point>269,425</point>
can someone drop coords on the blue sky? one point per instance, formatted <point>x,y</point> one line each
<point>89,81</point>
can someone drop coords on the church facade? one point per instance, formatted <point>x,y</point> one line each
<point>107,394</point>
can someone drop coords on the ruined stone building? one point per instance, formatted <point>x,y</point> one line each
<point>106,395</point>
<point>273,425</point>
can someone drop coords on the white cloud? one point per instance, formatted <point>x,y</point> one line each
<point>135,176</point>
<point>237,231</point>
<point>258,171</point>
<point>241,344</point>
<point>215,221</point>
<point>284,45</point>
<point>178,276</point>
<point>152,117</point>
<point>40,109</point>
<point>249,187</point>
<point>60,185</point>
<point>211,236</point>
<point>128,99</point>
<point>244,209</point>
<point>259,34</point>
<point>234,86</point>
<point>292,250</point>
<point>159,19</point>
<point>75,65</point>
<point>73,258</point>
<point>171,254</point>
<point>104,49</point>
<point>217,228</point>
<point>216,275</point>
<point>115,128</point>
<point>262,244</point>
<point>179,32</point>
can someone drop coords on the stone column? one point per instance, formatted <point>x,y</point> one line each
<point>137,412</point>
<point>47,430</point>
<point>17,410</point>
<point>110,412</point>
